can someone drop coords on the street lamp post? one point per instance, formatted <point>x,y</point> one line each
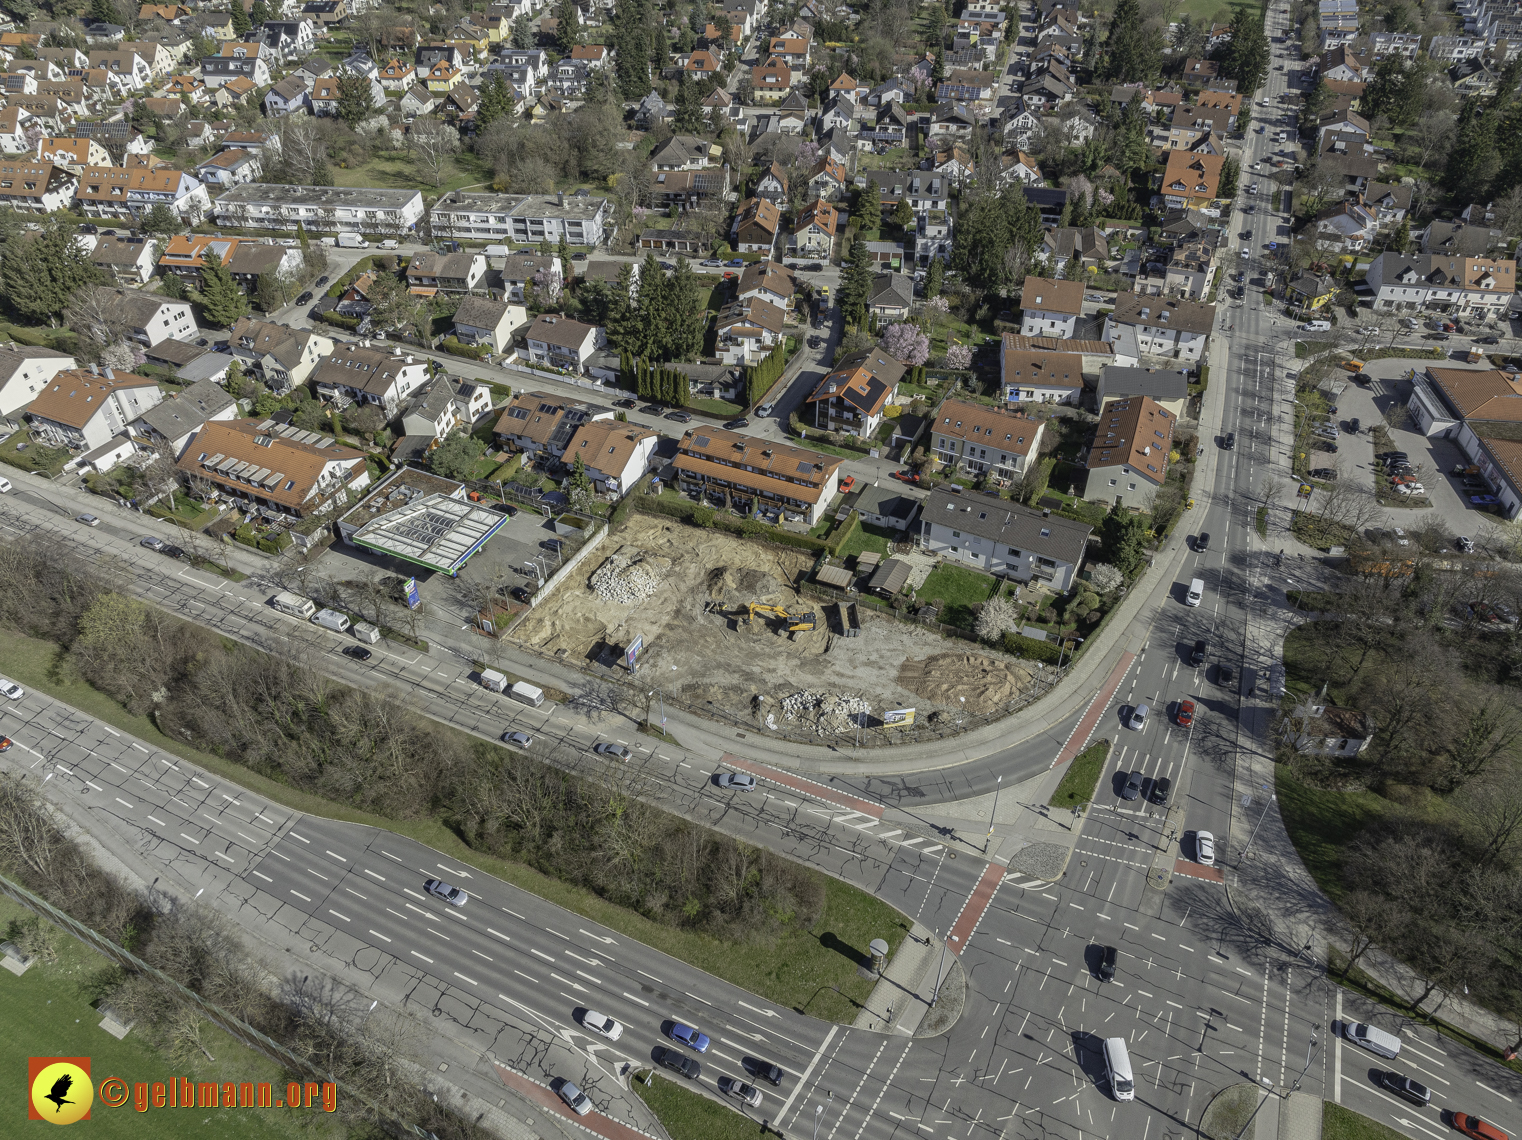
<point>935,994</point>
<point>994,814</point>
<point>1309,1049</point>
<point>1257,825</point>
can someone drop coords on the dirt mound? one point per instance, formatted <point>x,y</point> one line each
<point>741,584</point>
<point>945,678</point>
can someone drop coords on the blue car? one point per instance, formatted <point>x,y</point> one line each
<point>1484,500</point>
<point>737,263</point>
<point>689,1037</point>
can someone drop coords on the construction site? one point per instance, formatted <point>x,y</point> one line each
<point>717,622</point>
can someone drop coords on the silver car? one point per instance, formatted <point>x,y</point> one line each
<point>616,751</point>
<point>152,543</point>
<point>734,1087</point>
<point>454,896</point>
<point>88,520</point>
<point>576,1100</point>
<point>517,739</point>
<point>739,781</point>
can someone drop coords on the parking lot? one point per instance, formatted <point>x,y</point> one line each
<point>1433,458</point>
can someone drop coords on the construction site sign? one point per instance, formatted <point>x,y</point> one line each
<point>898,717</point>
<point>633,653</point>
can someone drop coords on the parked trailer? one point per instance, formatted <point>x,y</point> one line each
<point>491,679</point>
<point>528,694</point>
<point>332,619</point>
<point>293,604</point>
<point>853,621</point>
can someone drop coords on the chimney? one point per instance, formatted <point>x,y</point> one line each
<point>110,375</point>
<point>560,198</point>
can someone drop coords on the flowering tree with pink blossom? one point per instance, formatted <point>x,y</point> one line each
<point>906,343</point>
<point>958,356</point>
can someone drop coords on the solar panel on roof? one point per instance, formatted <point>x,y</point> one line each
<point>805,468</point>
<point>701,441</point>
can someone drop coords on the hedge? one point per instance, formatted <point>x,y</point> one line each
<point>1021,646</point>
<point>350,323</point>
<point>710,519</point>
<point>363,265</point>
<point>455,348</point>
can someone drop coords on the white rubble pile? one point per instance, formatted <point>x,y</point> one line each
<point>626,579</point>
<point>824,712</point>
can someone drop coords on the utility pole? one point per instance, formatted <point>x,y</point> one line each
<point>993,815</point>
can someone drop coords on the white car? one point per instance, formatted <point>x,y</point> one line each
<point>1204,848</point>
<point>765,409</point>
<point>11,690</point>
<point>602,1023</point>
<point>1411,489</point>
<point>88,520</point>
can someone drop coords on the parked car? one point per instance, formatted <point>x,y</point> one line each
<point>518,739</point>
<point>736,425</point>
<point>454,896</point>
<point>712,262</point>
<point>10,690</point>
<point>907,476</point>
<point>847,483</point>
<point>765,409</point>
<point>172,552</point>
<point>305,297</point>
<point>576,1100</point>
<point>152,543</point>
<point>616,751</point>
<point>1465,544</point>
<point>88,520</point>
<point>737,263</point>
<point>1484,500</point>
<point>652,409</point>
<point>680,417</point>
<point>624,403</point>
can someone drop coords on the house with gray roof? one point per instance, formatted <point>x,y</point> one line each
<point>1003,538</point>
<point>884,506</point>
<point>172,423</point>
<point>1168,387</point>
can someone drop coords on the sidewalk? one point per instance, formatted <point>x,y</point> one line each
<point>917,979</point>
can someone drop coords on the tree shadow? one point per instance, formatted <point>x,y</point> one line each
<point>829,941</point>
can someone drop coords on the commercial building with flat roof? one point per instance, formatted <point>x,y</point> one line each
<point>578,217</point>
<point>422,519</point>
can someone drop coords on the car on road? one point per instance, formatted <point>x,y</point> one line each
<point>1231,441</point>
<point>1186,714</point>
<point>652,409</point>
<point>712,262</point>
<point>666,265</point>
<point>1434,336</point>
<point>1107,959</point>
<point>6,743</point>
<point>10,690</point>
<point>907,476</point>
<point>765,409</point>
<point>1138,720</point>
<point>576,1100</point>
<point>1487,340</point>
<point>1476,1128</point>
<point>518,739</point>
<point>578,257</point>
<point>616,751</point>
<point>1225,674</point>
<point>847,483</point>
<point>765,1070</point>
<point>1204,848</point>
<point>358,652</point>
<point>1202,541</point>
<point>1484,500</point>
<point>680,1063</point>
<point>304,298</point>
<point>152,543</point>
<point>1132,787</point>
<point>680,417</point>
<point>603,1024</point>
<point>454,896</point>
<point>813,267</point>
<point>746,1093</point>
<point>1161,787</point>
<point>739,781</point>
<point>690,1037</point>
<point>88,520</point>
<point>736,425</point>
<point>1405,1088</point>
<point>322,280</point>
<point>1197,654</point>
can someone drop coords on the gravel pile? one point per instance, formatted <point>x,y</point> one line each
<point>824,712</point>
<point>628,577</point>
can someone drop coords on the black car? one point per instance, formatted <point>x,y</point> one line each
<point>624,403</point>
<point>1197,654</point>
<point>768,1072</point>
<point>1161,787</point>
<point>1202,542</point>
<point>1435,336</point>
<point>1406,1088</point>
<point>681,1063</point>
<point>578,257</point>
<point>1353,425</point>
<point>652,409</point>
<point>1107,964</point>
<point>1487,340</point>
<point>680,417</point>
<point>304,298</point>
<point>89,228</point>
<point>358,652</point>
<point>1133,786</point>
<point>736,425</point>
<point>1231,440</point>
<point>173,552</point>
<point>666,265</point>
<point>323,280</point>
<point>1324,473</point>
<point>519,594</point>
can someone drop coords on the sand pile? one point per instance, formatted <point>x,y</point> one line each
<point>945,678</point>
<point>629,576</point>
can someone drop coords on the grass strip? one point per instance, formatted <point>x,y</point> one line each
<point>1082,777</point>
<point>689,1115</point>
<point>47,1012</point>
<point>812,971</point>
<point>1340,1123</point>
<point>1262,522</point>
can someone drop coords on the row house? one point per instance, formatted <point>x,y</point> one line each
<point>1003,538</point>
<point>279,356</point>
<point>1128,461</point>
<point>132,70</point>
<point>1172,327</point>
<point>251,61</point>
<point>36,187</point>
<point>1479,286</point>
<point>258,465</point>
<point>360,373</point>
<point>132,191</point>
<point>432,273</point>
<point>754,475</point>
<point>976,440</point>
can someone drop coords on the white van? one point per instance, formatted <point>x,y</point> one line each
<point>1372,1038</point>
<point>1317,326</point>
<point>390,243</point>
<point>491,679</point>
<point>528,694</point>
<point>1196,592</point>
<point>352,241</point>
<point>332,619</point>
<point>5,486</point>
<point>1118,1069</point>
<point>366,632</point>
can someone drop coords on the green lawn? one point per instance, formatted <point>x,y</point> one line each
<point>19,452</point>
<point>717,407</point>
<point>869,538</point>
<point>1082,776</point>
<point>814,971</point>
<point>47,1013</point>
<point>689,1115</point>
<point>394,171</point>
<point>1320,823</point>
<point>1339,1123</point>
<point>957,590</point>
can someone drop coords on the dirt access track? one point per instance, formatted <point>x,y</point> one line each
<point>684,590</point>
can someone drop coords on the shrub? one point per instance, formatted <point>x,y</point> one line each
<point>1028,647</point>
<point>455,347</point>
<point>350,323</point>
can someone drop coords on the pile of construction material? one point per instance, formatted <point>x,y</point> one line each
<point>825,712</point>
<point>629,576</point>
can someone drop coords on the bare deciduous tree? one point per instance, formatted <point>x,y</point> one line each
<point>432,144</point>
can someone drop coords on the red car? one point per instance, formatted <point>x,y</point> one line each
<point>847,483</point>
<point>5,743</point>
<point>907,476</point>
<point>1186,713</point>
<point>1477,1128</point>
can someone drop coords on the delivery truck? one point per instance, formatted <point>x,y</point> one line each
<point>352,241</point>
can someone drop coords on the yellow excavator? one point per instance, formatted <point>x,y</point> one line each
<point>793,623</point>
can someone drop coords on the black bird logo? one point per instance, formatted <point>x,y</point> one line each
<point>60,1092</point>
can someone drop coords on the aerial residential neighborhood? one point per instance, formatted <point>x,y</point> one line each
<point>536,532</point>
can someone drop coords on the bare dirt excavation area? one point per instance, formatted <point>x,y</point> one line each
<point>685,592</point>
